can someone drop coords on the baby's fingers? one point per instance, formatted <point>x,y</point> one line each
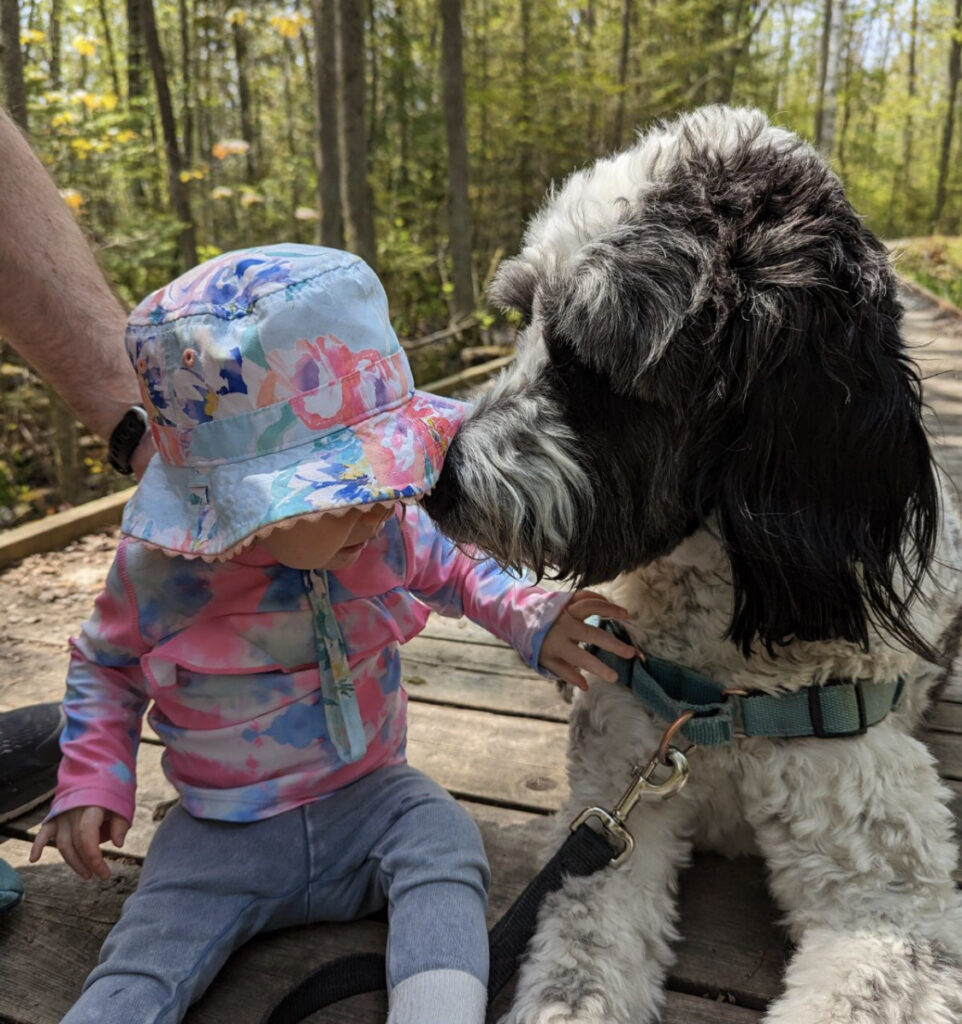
<point>89,841</point>
<point>578,658</point>
<point>118,829</point>
<point>606,641</point>
<point>566,673</point>
<point>69,852</point>
<point>587,602</point>
<point>47,832</point>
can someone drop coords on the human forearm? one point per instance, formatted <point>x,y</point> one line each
<point>56,307</point>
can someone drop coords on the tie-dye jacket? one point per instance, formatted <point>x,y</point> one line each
<point>226,652</point>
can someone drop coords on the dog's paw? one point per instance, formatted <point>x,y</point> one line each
<point>589,1010</point>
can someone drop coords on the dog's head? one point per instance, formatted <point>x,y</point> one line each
<point>710,331</point>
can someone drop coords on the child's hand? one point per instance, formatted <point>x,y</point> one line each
<point>78,833</point>
<point>561,653</point>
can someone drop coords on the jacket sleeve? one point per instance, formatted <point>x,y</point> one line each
<point>460,581</point>
<point>104,704</point>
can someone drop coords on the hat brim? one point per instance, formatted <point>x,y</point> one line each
<point>395,455</point>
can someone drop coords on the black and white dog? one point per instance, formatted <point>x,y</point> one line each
<point>712,405</point>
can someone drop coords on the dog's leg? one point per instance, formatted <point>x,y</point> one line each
<point>858,839</point>
<point>602,946</point>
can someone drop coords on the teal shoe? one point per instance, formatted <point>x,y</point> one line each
<point>11,887</point>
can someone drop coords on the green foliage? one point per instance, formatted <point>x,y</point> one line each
<point>540,102</point>
<point>543,93</point>
<point>935,262</point>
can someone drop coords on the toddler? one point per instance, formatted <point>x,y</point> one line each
<point>273,561</point>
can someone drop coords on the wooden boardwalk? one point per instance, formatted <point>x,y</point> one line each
<point>487,728</point>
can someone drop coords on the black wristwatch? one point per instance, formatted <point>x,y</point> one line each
<point>125,438</point>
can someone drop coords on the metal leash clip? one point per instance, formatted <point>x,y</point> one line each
<point>641,786</point>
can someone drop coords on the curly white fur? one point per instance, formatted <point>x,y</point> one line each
<point>856,833</point>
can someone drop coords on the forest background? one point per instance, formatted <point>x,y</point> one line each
<point>423,134</point>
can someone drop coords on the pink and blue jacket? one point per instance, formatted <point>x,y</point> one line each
<point>227,652</point>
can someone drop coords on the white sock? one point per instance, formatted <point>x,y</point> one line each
<point>438,997</point>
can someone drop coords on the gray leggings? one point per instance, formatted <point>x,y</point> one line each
<point>393,838</point>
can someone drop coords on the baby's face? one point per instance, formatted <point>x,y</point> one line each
<point>329,542</point>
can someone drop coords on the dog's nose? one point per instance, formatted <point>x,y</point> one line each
<point>443,499</point>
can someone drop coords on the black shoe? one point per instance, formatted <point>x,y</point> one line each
<point>29,757</point>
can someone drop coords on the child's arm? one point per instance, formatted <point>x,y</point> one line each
<point>104,704</point>
<point>455,582</point>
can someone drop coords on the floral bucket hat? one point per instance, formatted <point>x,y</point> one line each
<point>276,388</point>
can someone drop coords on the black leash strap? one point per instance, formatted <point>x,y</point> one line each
<point>340,979</point>
<point>583,853</point>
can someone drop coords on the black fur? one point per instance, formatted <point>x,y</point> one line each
<point>730,348</point>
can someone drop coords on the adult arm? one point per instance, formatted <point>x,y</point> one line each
<point>56,308</point>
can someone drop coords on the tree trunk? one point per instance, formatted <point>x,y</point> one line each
<point>56,44</point>
<point>290,128</point>
<point>783,70</point>
<point>109,46</point>
<point>459,208</point>
<point>902,178</point>
<point>356,195</point>
<point>913,89</point>
<point>524,120</point>
<point>955,66</point>
<point>68,463</point>
<point>136,52</point>
<point>622,72</point>
<point>373,128</point>
<point>331,225</point>
<point>482,174</point>
<point>239,35</point>
<point>14,89</point>
<point>828,76</point>
<point>179,196</point>
<point>186,81</point>
<point>402,63</point>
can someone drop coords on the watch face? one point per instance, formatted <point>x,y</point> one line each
<point>125,438</point>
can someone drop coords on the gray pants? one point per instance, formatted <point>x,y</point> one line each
<point>394,837</point>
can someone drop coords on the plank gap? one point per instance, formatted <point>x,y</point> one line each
<point>535,716</point>
<point>724,997</point>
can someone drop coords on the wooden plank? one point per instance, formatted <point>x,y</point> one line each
<point>478,676</point>
<point>59,529</point>
<point>948,752</point>
<point>510,761</point>
<point>478,755</point>
<point>951,692</point>
<point>483,658</point>
<point>501,759</point>
<point>944,716</point>
<point>37,981</point>
<point>686,1009</point>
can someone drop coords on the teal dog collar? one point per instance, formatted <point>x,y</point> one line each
<point>832,710</point>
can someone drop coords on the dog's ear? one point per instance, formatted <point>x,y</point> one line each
<point>622,298</point>
<point>821,474</point>
<point>513,287</point>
